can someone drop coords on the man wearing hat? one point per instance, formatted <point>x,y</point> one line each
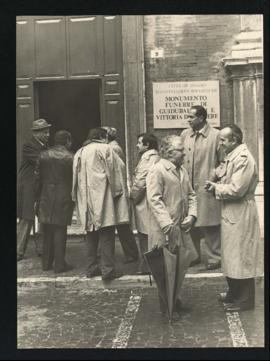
<point>25,195</point>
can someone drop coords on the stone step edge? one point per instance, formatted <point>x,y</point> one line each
<point>126,280</point>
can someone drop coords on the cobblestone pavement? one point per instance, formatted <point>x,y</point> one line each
<point>129,317</point>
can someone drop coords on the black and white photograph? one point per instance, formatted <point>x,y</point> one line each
<point>140,181</point>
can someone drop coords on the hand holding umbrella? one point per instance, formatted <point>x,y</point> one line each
<point>187,223</point>
<point>172,233</point>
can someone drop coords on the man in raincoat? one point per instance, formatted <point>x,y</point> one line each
<point>100,199</point>
<point>172,205</point>
<point>148,150</point>
<point>241,246</point>
<point>124,231</point>
<point>201,143</point>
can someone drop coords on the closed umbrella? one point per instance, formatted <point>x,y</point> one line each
<point>163,266</point>
<point>171,265</point>
<point>168,265</point>
<point>155,261</point>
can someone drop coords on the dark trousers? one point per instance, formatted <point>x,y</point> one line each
<point>143,245</point>
<point>106,238</point>
<point>242,292</point>
<point>23,232</point>
<point>54,247</point>
<point>127,241</point>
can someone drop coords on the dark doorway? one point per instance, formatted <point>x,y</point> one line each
<point>72,105</point>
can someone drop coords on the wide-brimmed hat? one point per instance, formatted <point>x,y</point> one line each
<point>40,124</point>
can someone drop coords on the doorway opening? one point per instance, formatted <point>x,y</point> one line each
<point>72,105</point>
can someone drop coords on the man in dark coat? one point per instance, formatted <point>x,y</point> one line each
<point>53,184</point>
<point>25,194</point>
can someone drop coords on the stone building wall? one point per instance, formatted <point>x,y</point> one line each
<point>194,46</point>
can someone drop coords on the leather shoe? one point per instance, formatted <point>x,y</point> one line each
<point>68,267</point>
<point>19,258</point>
<point>224,298</point>
<point>130,260</point>
<point>195,262</point>
<point>47,268</point>
<point>111,276</point>
<point>213,266</point>
<point>96,272</point>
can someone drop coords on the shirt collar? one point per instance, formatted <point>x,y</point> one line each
<point>204,131</point>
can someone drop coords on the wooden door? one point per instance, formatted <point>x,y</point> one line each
<point>112,82</point>
<point>72,47</point>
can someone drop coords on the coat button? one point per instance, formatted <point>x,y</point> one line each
<point>189,149</point>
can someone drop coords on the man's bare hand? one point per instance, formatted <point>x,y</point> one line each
<point>188,223</point>
<point>209,186</point>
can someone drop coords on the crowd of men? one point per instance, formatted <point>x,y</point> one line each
<point>197,185</point>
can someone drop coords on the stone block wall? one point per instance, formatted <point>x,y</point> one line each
<point>194,46</point>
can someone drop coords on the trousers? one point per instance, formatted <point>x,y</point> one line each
<point>54,247</point>
<point>127,240</point>
<point>23,233</point>
<point>106,237</point>
<point>211,236</point>
<point>242,291</point>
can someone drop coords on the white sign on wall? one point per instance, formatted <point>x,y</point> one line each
<point>172,102</point>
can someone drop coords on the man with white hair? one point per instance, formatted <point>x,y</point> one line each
<point>173,207</point>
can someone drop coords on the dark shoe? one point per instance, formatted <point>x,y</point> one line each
<point>96,272</point>
<point>19,257</point>
<point>130,260</point>
<point>224,298</point>
<point>195,262</point>
<point>68,267</point>
<point>181,308</point>
<point>213,266</point>
<point>230,307</point>
<point>47,268</point>
<point>111,276</point>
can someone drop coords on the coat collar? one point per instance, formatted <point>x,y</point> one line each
<point>234,153</point>
<point>204,131</point>
<point>170,166</point>
<point>146,155</point>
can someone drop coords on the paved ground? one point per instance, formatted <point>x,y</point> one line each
<point>72,311</point>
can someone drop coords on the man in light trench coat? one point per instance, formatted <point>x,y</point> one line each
<point>242,248</point>
<point>125,234</point>
<point>101,201</point>
<point>201,143</point>
<point>172,206</point>
<point>148,150</point>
